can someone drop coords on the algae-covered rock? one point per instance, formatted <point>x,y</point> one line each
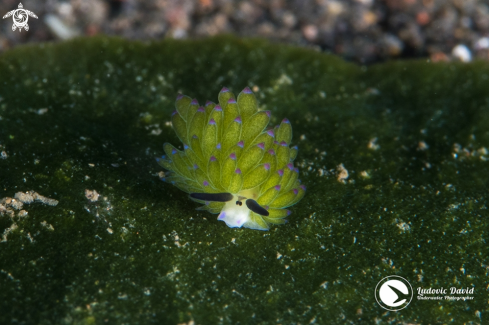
<point>395,158</point>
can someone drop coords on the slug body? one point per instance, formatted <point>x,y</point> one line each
<point>231,162</point>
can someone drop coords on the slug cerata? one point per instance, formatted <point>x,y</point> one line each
<point>231,162</point>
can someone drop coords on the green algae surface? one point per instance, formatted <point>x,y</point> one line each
<point>394,156</point>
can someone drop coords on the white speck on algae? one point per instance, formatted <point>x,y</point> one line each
<point>92,196</point>
<point>342,173</point>
<point>373,144</point>
<point>8,204</point>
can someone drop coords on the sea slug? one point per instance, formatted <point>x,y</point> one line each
<point>231,162</point>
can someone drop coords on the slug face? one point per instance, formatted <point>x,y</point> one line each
<point>231,162</point>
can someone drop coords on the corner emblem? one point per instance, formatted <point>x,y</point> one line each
<point>20,17</point>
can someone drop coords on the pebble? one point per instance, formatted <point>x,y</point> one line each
<point>59,28</point>
<point>363,30</point>
<point>482,43</point>
<point>462,53</point>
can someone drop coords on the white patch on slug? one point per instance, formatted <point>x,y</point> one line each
<point>234,215</point>
<point>237,216</point>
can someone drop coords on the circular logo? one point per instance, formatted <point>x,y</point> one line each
<point>393,293</point>
<point>20,17</point>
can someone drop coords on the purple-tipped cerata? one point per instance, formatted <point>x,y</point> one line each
<point>247,90</point>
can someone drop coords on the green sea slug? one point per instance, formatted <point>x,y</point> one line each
<point>229,158</point>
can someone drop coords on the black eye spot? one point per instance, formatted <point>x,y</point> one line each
<point>256,208</point>
<point>213,197</point>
